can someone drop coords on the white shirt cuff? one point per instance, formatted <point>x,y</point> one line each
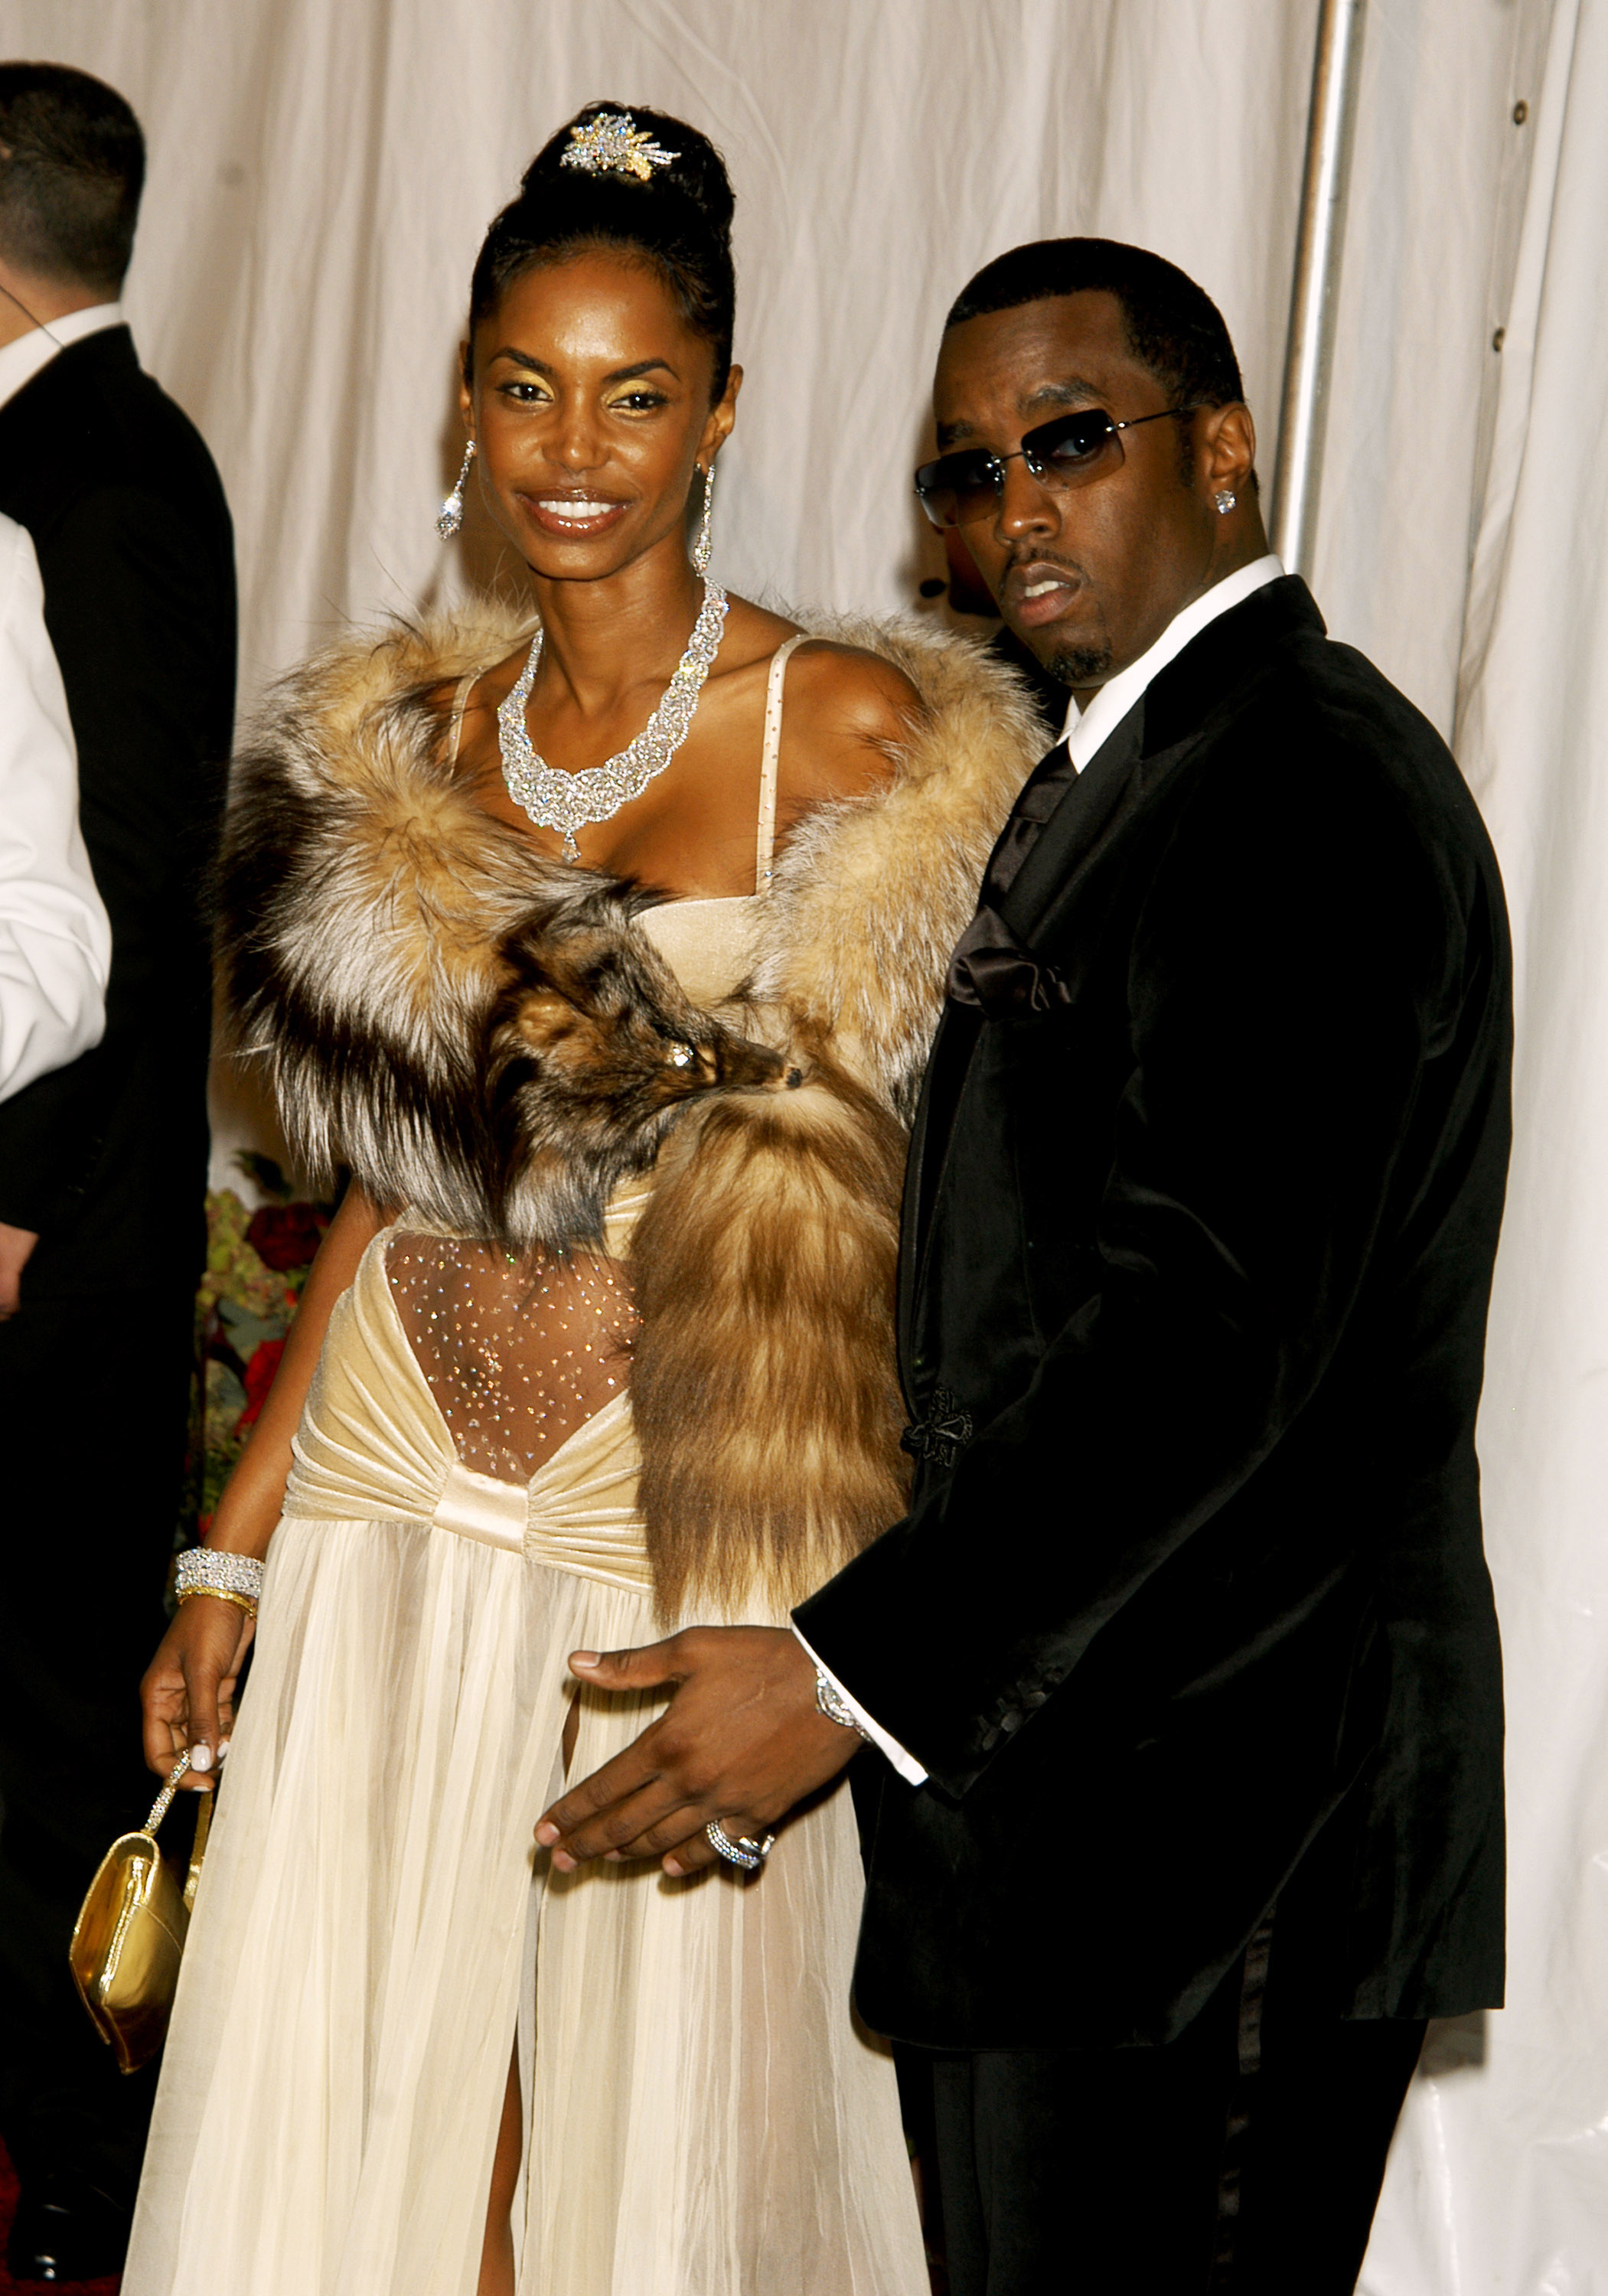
<point>906,1764</point>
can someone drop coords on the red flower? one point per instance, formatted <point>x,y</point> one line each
<point>287,1235</point>
<point>259,1379</point>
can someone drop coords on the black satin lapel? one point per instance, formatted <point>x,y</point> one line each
<point>1071,831</point>
<point>946,1067</point>
<point>1076,824</point>
<point>1201,687</point>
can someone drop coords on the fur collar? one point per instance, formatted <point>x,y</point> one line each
<point>381,936</point>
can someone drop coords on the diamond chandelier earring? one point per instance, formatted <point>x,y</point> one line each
<point>1225,499</point>
<point>705,525</point>
<point>450,516</point>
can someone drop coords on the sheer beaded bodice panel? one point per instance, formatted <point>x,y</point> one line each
<point>518,1354</point>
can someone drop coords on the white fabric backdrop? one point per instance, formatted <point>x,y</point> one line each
<point>321,172</point>
<point>1499,2177</point>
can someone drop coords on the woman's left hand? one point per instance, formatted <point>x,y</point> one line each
<point>741,1739</point>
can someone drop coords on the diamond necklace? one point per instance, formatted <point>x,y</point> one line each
<point>568,801</point>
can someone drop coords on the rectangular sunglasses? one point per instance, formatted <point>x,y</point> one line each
<point>1071,451</point>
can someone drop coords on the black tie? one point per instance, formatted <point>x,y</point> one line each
<point>990,967</point>
<point>1041,794</point>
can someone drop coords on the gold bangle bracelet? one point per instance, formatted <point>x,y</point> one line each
<point>219,1594</point>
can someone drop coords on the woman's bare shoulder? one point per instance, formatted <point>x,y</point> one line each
<point>855,686</point>
<point>846,709</point>
<point>832,688</point>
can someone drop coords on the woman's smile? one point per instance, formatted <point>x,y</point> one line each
<point>578,516</point>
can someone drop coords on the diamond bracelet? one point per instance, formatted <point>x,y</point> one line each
<point>205,1570</point>
<point>834,1706</point>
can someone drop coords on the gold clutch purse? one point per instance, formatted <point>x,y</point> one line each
<point>129,1935</point>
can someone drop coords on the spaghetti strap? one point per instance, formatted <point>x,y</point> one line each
<point>460,703</point>
<point>767,768</point>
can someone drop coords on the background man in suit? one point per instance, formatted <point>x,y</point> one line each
<point>1185,1658</point>
<point>103,1164</point>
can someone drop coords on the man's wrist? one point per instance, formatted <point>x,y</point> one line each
<point>913,1772</point>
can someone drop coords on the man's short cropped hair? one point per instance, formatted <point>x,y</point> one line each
<point>72,166</point>
<point>1173,327</point>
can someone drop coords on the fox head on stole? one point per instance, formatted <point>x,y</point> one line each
<point>591,1052</point>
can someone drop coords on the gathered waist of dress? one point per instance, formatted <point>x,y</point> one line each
<point>374,1446</point>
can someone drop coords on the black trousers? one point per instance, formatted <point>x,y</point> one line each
<point>1244,2159</point>
<point>93,1401</point>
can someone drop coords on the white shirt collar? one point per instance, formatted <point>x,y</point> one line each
<point>1085,730</point>
<point>21,361</point>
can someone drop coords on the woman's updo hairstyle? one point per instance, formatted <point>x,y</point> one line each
<point>678,219</point>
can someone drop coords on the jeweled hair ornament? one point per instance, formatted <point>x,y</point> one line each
<point>612,144</point>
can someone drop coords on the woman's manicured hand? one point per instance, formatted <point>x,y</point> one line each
<point>188,1694</point>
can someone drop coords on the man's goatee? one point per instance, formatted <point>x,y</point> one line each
<point>1080,665</point>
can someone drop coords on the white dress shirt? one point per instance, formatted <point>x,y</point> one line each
<point>1086,731</point>
<point>21,361</point>
<point>55,943</point>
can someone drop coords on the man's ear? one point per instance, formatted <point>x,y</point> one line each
<point>1228,448</point>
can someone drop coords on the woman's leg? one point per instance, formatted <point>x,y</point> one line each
<point>497,2254</point>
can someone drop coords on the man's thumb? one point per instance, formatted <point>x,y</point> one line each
<point>626,1669</point>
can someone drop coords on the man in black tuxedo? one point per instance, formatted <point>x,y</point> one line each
<point>103,1164</point>
<point>1185,1659</point>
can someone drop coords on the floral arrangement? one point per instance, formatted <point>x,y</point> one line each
<point>256,1264</point>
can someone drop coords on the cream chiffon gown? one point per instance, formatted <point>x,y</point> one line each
<point>702,2115</point>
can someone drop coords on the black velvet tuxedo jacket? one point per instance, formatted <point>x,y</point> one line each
<point>107,1157</point>
<point>1190,1611</point>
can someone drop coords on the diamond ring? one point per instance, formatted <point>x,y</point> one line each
<point>748,1854</point>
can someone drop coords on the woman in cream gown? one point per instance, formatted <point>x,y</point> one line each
<point>407,2058</point>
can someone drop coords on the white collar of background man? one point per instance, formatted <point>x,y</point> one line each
<point>21,361</point>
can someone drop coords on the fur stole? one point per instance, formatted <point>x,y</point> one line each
<point>479,1032</point>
